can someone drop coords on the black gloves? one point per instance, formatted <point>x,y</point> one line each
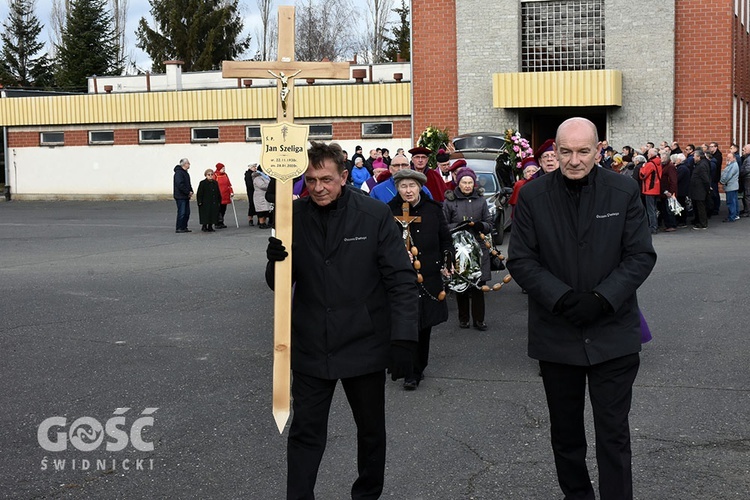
<point>583,308</point>
<point>276,251</point>
<point>402,358</point>
<point>449,259</point>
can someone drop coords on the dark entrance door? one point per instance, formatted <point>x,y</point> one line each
<point>541,124</point>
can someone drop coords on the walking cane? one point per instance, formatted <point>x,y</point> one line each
<point>235,213</point>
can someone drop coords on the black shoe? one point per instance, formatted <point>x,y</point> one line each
<point>251,223</point>
<point>480,325</point>
<point>183,231</point>
<point>410,385</point>
<point>220,226</point>
<point>463,324</point>
<point>204,229</point>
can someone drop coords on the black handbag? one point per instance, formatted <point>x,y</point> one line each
<point>496,260</point>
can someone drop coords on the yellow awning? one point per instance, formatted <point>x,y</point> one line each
<point>557,88</point>
<point>257,103</point>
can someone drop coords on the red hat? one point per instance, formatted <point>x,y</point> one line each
<point>529,161</point>
<point>420,150</point>
<point>548,145</point>
<point>442,156</point>
<point>219,166</point>
<point>457,164</point>
<point>381,175</point>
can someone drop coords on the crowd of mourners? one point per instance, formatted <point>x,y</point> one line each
<point>682,187</point>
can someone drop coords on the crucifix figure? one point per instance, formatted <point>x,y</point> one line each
<point>405,220</point>
<point>285,69</point>
<point>284,86</point>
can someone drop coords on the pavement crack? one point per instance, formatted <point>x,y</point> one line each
<point>486,464</point>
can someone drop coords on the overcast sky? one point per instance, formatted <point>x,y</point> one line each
<point>140,8</point>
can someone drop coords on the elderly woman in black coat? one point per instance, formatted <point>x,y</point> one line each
<point>434,247</point>
<point>465,204</point>
<point>209,201</point>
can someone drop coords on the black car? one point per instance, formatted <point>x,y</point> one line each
<point>481,151</point>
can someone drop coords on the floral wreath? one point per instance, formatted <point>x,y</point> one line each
<point>434,139</point>
<point>514,151</point>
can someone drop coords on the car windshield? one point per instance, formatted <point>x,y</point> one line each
<point>488,181</point>
<point>479,142</point>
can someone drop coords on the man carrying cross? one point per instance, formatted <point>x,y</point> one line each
<point>354,314</point>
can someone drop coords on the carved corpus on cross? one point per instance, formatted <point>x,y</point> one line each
<point>405,220</point>
<point>285,69</point>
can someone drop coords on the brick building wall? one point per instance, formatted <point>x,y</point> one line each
<point>434,79</point>
<point>703,74</point>
<point>741,44</point>
<point>124,136</point>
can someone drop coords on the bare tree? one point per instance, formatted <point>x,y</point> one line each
<point>59,12</point>
<point>119,8</point>
<point>120,17</point>
<point>319,30</point>
<point>265,35</point>
<point>380,11</point>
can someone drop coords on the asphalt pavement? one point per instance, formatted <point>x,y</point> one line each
<point>160,343</point>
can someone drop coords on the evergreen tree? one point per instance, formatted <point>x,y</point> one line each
<point>89,45</point>
<point>202,33</point>
<point>20,64</point>
<point>400,43</point>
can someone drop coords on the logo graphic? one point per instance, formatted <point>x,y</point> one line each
<point>88,434</point>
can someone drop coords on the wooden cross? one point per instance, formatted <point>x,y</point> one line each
<point>405,220</point>
<point>285,69</point>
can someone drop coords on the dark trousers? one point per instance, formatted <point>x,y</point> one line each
<point>422,356</point>
<point>701,216</point>
<point>715,198</point>
<point>309,432</point>
<point>476,297</point>
<point>682,218</point>
<point>183,213</point>
<point>610,390</point>
<point>222,213</point>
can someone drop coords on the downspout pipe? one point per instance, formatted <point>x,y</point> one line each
<point>6,156</point>
<point>411,67</point>
<point>7,164</point>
